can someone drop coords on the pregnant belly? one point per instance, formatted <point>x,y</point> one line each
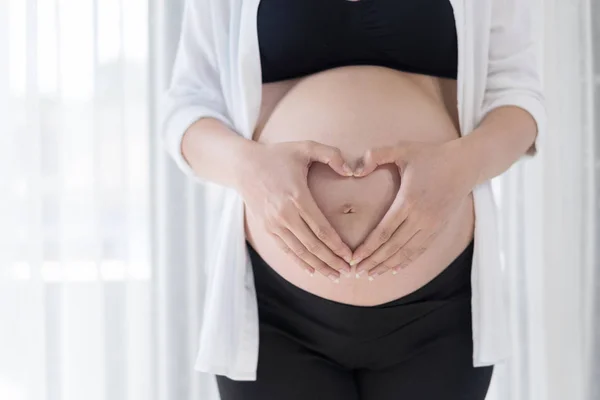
<point>354,109</point>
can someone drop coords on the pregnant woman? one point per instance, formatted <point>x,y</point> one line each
<point>350,144</point>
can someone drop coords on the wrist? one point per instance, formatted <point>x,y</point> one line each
<point>470,156</point>
<point>243,153</point>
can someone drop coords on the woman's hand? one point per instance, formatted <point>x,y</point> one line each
<point>435,179</point>
<point>274,187</point>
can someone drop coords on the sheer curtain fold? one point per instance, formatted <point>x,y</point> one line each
<point>74,238</point>
<point>178,241</point>
<point>101,247</point>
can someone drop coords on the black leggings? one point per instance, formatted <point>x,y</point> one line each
<point>418,347</point>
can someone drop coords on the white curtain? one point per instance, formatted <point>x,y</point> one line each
<point>548,222</point>
<point>100,289</point>
<point>76,277</point>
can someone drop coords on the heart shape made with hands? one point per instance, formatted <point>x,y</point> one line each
<point>354,205</point>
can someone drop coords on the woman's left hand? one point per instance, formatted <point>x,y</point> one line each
<point>435,179</point>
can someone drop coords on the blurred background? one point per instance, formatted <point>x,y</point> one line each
<point>100,289</point>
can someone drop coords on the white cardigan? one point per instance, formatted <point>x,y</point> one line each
<point>217,74</point>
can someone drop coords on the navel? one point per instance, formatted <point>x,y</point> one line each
<point>348,208</point>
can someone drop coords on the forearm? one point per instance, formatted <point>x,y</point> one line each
<point>214,151</point>
<point>502,138</point>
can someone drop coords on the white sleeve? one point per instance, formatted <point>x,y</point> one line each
<point>514,76</point>
<point>195,89</point>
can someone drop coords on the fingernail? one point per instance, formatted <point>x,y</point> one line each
<point>358,274</point>
<point>371,278</point>
<point>358,171</point>
<point>347,170</point>
<point>394,272</point>
<point>353,262</point>
<point>334,278</point>
<point>309,273</point>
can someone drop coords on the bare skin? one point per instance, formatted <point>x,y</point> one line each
<point>356,109</point>
<point>438,175</point>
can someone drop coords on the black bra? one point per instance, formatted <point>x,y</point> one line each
<point>302,37</point>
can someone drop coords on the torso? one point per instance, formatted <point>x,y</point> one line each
<point>361,99</point>
<point>356,108</point>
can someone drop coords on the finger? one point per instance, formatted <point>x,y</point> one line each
<point>412,251</point>
<point>378,271</point>
<point>321,228</point>
<point>302,252</point>
<point>315,246</point>
<point>329,155</point>
<point>402,255</point>
<point>399,239</point>
<point>297,260</point>
<point>393,218</point>
<point>374,158</point>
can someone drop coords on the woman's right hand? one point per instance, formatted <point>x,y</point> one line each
<point>274,187</point>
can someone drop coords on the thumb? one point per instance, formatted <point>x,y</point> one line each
<point>329,155</point>
<point>374,158</point>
